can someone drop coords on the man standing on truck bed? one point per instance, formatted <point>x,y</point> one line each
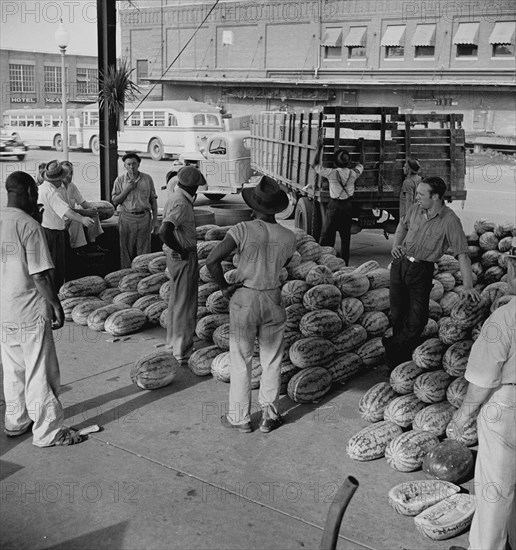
<point>134,192</point>
<point>410,183</point>
<point>428,229</point>
<point>342,188</point>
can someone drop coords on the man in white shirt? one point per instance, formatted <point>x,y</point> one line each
<point>56,210</point>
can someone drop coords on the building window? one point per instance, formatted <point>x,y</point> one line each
<point>53,80</point>
<point>356,51</point>
<point>21,78</point>
<point>394,51</point>
<point>87,82</point>
<point>332,53</point>
<point>503,50</point>
<point>142,71</point>
<point>467,50</point>
<point>425,51</point>
<point>332,43</point>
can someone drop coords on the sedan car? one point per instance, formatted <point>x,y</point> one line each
<point>11,146</point>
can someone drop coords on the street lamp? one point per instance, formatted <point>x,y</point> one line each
<point>62,37</point>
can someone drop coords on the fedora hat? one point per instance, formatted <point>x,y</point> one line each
<point>266,197</point>
<point>132,155</point>
<point>189,176</point>
<point>55,171</point>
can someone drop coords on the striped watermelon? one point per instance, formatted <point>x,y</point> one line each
<point>128,297</point>
<point>372,404</point>
<point>469,435</point>
<point>505,244</point>
<point>220,336</point>
<point>294,261</point>
<point>92,285</point>
<point>328,250</point>
<point>81,312</point>
<point>322,322</point>
<point>437,290</point>
<point>204,291</point>
<point>292,292</point>
<point>371,352</point>
<point>309,250</point>
<point>488,241</point>
<point>163,319</point>
<point>379,278</point>
<point>108,294</point>
<point>151,284</point>
<point>376,300</point>
<point>435,311</point>
<point>164,291</point>
<point>332,262</point>
<point>351,284</point>
<point>370,442</point>
<point>301,271</point>
<point>446,279</point>
<point>450,332</point>
<point>493,291</point>
<point>217,303</point>
<point>456,391</point>
<point>125,321</point>
<point>207,325</point>
<point>431,387</point>
<point>288,369</point>
<point>504,230</point>
<point>482,225</point>
<point>375,323</point>
<point>405,453</point>
<point>141,262</point>
<point>455,360</point>
<point>155,370</point>
<point>349,338</point>
<point>205,247</point>
<point>402,410</point>
<point>344,366</point>
<point>429,354</point>
<point>350,310</point>
<point>311,352</point>
<point>431,329</point>
<point>201,230</point>
<point>447,263</point>
<point>322,297</point>
<point>320,275</point>
<point>145,301</point>
<point>129,283</point>
<point>366,267</point>
<point>447,302</point>
<point>309,385</point>
<point>490,258</point>
<point>217,233</point>
<point>493,274</point>
<point>158,265</point>
<point>220,367</point>
<point>97,318</point>
<point>467,313</point>
<point>68,304</point>
<point>434,418</point>
<point>154,311</point>
<point>404,376</point>
<point>294,314</point>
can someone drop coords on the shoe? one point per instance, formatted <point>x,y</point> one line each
<point>269,424</point>
<point>97,248</point>
<point>244,428</point>
<point>82,251</point>
<point>17,433</point>
<point>457,548</point>
<point>66,437</point>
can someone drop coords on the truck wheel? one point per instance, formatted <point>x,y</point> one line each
<point>95,145</point>
<point>156,149</point>
<point>20,157</point>
<point>214,196</point>
<point>308,218</point>
<point>288,213</point>
<point>58,142</point>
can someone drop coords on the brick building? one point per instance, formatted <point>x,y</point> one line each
<point>250,56</point>
<point>33,79</point>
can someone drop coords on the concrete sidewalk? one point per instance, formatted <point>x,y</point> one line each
<point>165,474</point>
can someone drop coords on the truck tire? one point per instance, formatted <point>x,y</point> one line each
<point>156,149</point>
<point>95,145</point>
<point>288,213</point>
<point>58,142</point>
<point>308,218</point>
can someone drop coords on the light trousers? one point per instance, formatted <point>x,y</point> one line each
<point>255,314</point>
<point>78,233</point>
<point>182,305</point>
<point>31,381</point>
<point>135,236</point>
<point>495,473</point>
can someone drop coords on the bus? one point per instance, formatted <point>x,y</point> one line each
<point>44,127</point>
<point>159,128</point>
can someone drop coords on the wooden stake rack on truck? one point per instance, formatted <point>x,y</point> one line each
<point>283,147</point>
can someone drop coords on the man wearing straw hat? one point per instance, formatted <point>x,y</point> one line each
<point>54,214</point>
<point>491,400</point>
<point>256,307</point>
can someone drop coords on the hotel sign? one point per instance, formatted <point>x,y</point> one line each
<point>23,100</point>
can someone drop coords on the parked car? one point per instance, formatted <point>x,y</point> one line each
<point>11,146</point>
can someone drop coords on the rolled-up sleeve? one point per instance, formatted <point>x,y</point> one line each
<point>37,253</point>
<point>323,171</point>
<point>57,204</point>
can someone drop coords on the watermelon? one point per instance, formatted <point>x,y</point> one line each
<point>350,310</point>
<point>376,300</point>
<point>309,250</point>
<point>319,275</point>
<point>127,297</point>
<point>431,329</point>
<point>146,301</point>
<point>446,279</point>
<point>207,325</point>
<point>322,296</point>
<point>129,283</point>
<point>370,442</point>
<point>375,323</point>
<point>141,263</point>
<point>349,338</point>
<point>311,352</point>
<point>450,461</point>
<point>155,370</point>
<point>288,370</point>
<point>493,274</point>
<point>434,418</point>
<point>322,322</point>
<point>372,352</point>
<point>105,209</point>
<point>450,332</point>
<point>372,404</point>
<point>204,291</point>
<point>332,262</point>
<point>469,435</point>
<point>490,258</point>
<point>435,311</point>
<point>351,284</point>
<point>292,292</point>
<point>125,321</point>
<point>97,318</point>
<point>81,312</point>
<point>447,263</point>
<point>493,291</point>
<point>455,359</point>
<point>366,267</point>
<point>301,271</point>
<point>158,265</point>
<point>402,410</point>
<point>344,366</point>
<point>154,311</point>
<point>108,294</point>
<point>92,285</point>
<point>437,290</point>
<point>466,313</point>
<point>217,303</point>
<point>430,387</point>
<point>294,314</point>
<point>410,498</point>
<point>483,225</point>
<point>405,453</point>
<point>448,300</point>
<point>505,244</point>
<point>69,304</point>
<point>404,376</point>
<point>488,241</point>
<point>456,391</point>
<point>504,230</point>
<point>309,385</point>
<point>428,355</point>
<point>379,278</point>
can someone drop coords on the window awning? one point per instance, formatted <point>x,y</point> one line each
<point>467,33</point>
<point>332,38</point>
<point>424,36</point>
<point>393,35</point>
<point>355,37</point>
<point>503,33</point>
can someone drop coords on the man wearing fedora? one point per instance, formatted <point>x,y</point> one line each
<point>135,194</point>
<point>178,233</point>
<point>491,401</point>
<point>408,189</point>
<point>256,308</point>
<point>339,214</point>
<point>55,212</point>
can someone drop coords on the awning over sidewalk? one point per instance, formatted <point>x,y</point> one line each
<point>503,33</point>
<point>467,33</point>
<point>393,35</point>
<point>424,36</point>
<point>332,38</point>
<point>355,37</point>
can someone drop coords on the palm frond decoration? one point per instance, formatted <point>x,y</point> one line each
<point>117,88</point>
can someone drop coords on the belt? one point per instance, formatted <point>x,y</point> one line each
<point>137,212</point>
<point>416,261</point>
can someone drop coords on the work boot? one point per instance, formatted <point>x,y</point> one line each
<point>268,424</point>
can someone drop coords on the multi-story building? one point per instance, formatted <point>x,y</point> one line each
<point>249,56</point>
<point>33,79</point>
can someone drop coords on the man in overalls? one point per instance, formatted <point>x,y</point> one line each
<point>256,308</point>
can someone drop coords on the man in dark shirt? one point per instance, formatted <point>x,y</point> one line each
<point>428,229</point>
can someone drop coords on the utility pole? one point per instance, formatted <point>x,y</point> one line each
<point>106,33</point>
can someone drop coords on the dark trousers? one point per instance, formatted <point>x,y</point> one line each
<point>409,293</point>
<point>338,218</point>
<point>57,243</point>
